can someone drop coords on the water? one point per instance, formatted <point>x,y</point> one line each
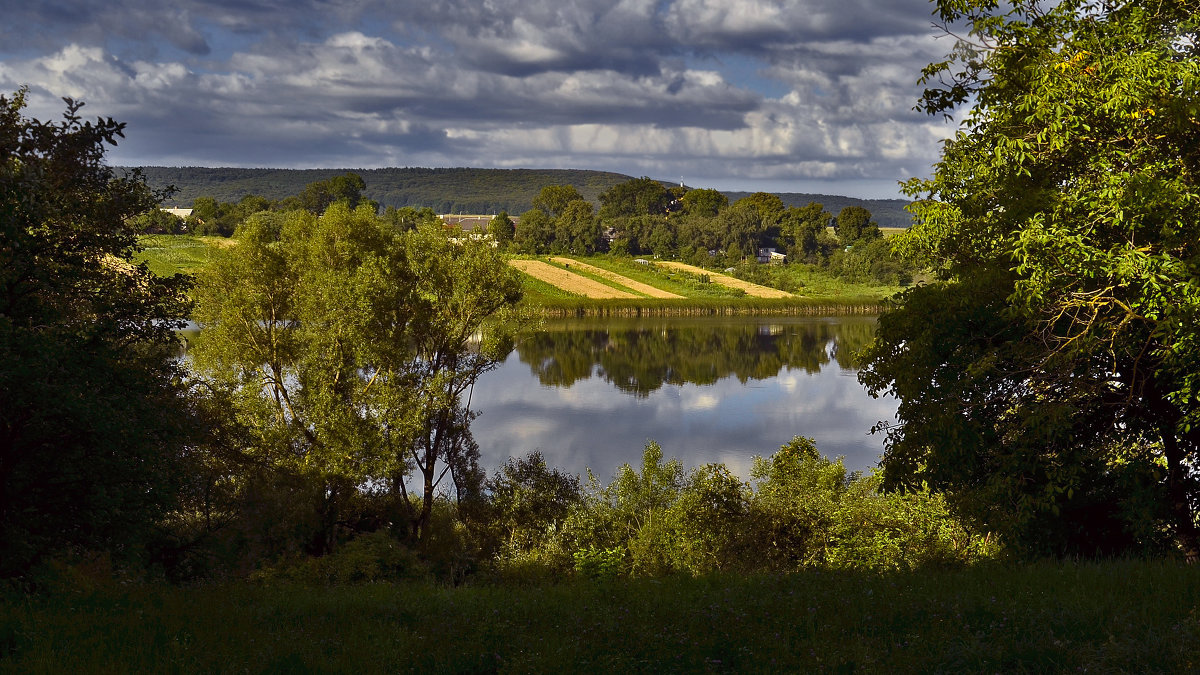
<point>591,393</point>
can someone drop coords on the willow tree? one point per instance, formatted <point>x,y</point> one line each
<point>1049,379</point>
<point>343,342</point>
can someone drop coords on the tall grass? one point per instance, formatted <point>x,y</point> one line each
<point>1124,616</point>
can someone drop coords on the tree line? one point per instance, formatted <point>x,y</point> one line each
<point>641,216</point>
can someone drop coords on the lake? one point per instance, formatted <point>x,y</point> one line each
<point>589,393</point>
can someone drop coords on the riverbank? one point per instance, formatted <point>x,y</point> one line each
<point>588,307</point>
<point>1118,616</point>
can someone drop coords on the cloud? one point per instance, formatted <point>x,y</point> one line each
<point>755,89</point>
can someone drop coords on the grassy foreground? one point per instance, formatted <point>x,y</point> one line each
<point>1057,617</point>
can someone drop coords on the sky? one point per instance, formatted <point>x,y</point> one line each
<point>772,95</point>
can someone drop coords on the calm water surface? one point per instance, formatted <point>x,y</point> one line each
<point>591,393</point>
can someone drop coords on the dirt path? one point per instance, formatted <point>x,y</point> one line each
<point>624,281</point>
<point>726,280</point>
<point>568,281</point>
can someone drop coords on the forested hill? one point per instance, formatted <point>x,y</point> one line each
<point>446,190</point>
<point>443,190</point>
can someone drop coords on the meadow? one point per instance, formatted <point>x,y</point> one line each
<point>1115,616</point>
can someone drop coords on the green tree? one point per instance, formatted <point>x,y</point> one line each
<point>501,228</point>
<point>303,321</point>
<point>704,202</point>
<point>578,229</point>
<point>854,224</point>
<point>743,229</point>
<point>535,232</point>
<point>319,195</point>
<point>462,323</point>
<point>635,197</point>
<point>349,347</point>
<point>93,420</point>
<point>802,229</point>
<point>530,502</point>
<point>1049,380</point>
<point>770,207</point>
<point>554,199</point>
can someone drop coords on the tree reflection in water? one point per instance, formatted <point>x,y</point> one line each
<point>590,393</point>
<point>640,356</point>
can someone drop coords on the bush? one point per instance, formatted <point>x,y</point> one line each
<point>369,558</point>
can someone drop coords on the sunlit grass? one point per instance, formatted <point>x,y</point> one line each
<point>168,254</point>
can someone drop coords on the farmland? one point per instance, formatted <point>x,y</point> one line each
<point>605,279</point>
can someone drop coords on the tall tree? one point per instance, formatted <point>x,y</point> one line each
<point>635,197</point>
<point>501,228</point>
<point>802,228</point>
<point>854,224</point>
<point>704,202</point>
<point>554,199</point>
<point>1050,380</point>
<point>463,316</point>
<point>92,418</point>
<point>304,322</point>
<point>350,349</point>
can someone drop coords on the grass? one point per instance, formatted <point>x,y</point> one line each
<point>168,254</point>
<point>1096,617</point>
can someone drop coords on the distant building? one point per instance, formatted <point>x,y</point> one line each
<point>467,223</point>
<point>182,213</point>
<point>770,255</point>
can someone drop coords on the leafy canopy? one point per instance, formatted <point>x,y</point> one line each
<point>1049,379</point>
<point>92,418</point>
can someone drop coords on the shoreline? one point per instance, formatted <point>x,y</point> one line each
<point>690,307</point>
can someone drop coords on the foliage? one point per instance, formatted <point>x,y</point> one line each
<point>705,202</point>
<point>370,558</point>
<point>554,199</point>
<point>1049,381</point>
<point>347,347</point>
<point>502,229</point>
<point>854,224</point>
<point>317,196</point>
<point>158,221</point>
<point>635,197</point>
<point>93,420</point>
<point>800,511</point>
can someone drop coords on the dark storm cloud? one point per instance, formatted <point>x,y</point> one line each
<point>751,89</point>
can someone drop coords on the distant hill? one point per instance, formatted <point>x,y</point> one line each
<point>443,190</point>
<point>458,190</point>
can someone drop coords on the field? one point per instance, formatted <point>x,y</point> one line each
<point>646,289</point>
<point>598,278</point>
<point>568,281</point>
<point>1117,616</point>
<point>753,290</point>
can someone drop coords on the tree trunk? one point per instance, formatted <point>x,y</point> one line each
<point>1181,512</point>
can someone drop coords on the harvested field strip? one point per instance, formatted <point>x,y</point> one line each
<point>725,280</point>
<point>568,281</point>
<point>623,280</point>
